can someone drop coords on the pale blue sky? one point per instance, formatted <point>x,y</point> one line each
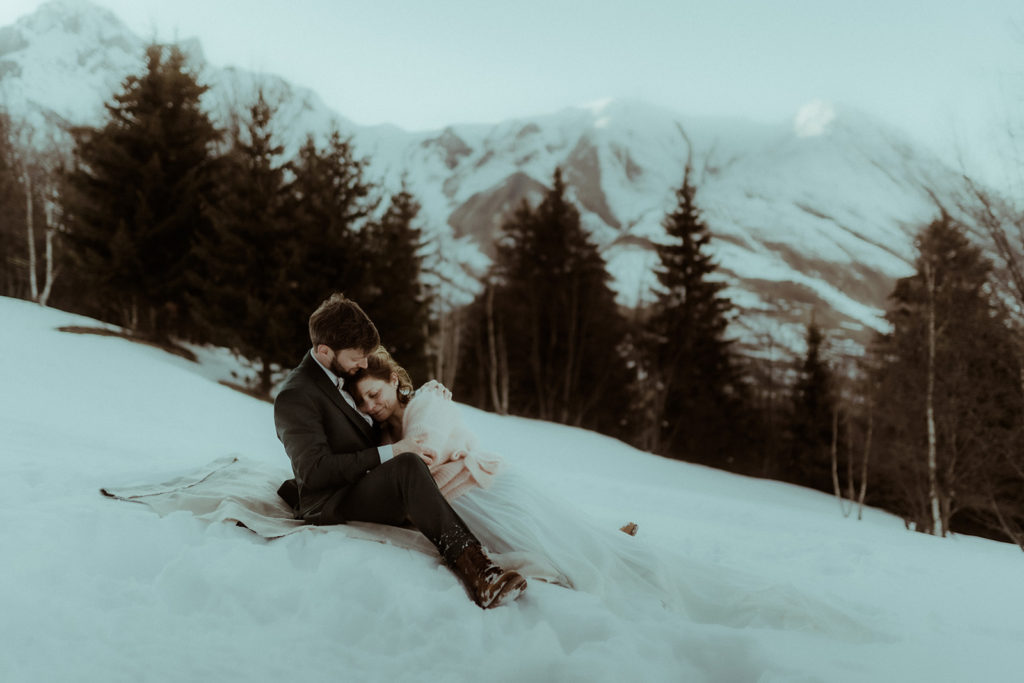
<point>942,70</point>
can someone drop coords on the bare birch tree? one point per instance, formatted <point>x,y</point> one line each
<point>938,527</point>
<point>949,392</point>
<point>40,160</point>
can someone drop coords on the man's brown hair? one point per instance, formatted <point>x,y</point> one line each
<point>341,324</point>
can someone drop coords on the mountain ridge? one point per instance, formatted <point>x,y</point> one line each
<point>815,218</point>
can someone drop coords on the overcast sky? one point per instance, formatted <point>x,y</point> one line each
<point>943,70</point>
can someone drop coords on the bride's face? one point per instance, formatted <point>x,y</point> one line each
<point>377,398</point>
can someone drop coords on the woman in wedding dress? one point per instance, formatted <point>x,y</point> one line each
<point>532,531</point>
<point>523,527</point>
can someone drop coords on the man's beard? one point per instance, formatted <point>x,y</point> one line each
<point>340,371</point>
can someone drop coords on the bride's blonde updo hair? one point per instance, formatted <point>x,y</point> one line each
<point>380,365</point>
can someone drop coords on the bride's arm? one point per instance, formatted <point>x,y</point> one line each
<point>432,417</point>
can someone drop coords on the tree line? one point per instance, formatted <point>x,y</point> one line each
<point>176,229</point>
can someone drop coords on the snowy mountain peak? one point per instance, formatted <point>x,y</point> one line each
<point>815,214</point>
<point>64,60</point>
<point>597,107</point>
<point>74,18</point>
<point>813,119</point>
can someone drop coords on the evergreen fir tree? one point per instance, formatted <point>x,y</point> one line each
<point>693,368</point>
<point>330,201</point>
<point>12,203</point>
<point>244,282</point>
<point>965,406</point>
<point>137,195</point>
<point>814,401</point>
<point>392,291</point>
<point>554,334</point>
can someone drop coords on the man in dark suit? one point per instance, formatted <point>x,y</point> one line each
<point>342,475</point>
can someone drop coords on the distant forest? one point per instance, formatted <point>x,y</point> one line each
<point>177,230</point>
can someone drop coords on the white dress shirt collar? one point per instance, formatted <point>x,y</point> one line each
<point>338,382</point>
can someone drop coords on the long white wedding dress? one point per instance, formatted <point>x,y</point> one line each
<point>527,528</point>
<point>521,525</point>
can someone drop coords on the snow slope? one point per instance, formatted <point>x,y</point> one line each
<point>96,589</point>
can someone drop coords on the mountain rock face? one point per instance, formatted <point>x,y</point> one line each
<point>816,217</point>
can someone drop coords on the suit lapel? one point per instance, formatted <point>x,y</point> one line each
<point>320,379</point>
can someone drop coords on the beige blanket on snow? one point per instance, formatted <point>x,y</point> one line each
<point>245,493</point>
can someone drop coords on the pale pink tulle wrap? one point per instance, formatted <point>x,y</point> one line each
<point>451,450</point>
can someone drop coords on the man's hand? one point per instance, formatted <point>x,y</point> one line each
<point>438,388</point>
<point>410,445</point>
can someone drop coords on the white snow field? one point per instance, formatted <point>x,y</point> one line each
<point>94,589</point>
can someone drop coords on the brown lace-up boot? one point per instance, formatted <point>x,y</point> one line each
<point>488,584</point>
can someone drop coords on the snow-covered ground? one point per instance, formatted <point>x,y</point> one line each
<point>97,589</point>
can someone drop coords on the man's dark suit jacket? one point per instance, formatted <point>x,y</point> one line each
<point>330,445</point>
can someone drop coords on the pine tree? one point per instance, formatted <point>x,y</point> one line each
<point>549,330</point>
<point>693,369</point>
<point>330,201</point>
<point>244,281</point>
<point>392,291</point>
<point>814,402</point>
<point>948,400</point>
<point>137,196</point>
<point>11,213</point>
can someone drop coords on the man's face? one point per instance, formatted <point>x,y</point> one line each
<point>347,362</point>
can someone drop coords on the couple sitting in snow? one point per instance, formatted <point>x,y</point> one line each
<point>365,447</point>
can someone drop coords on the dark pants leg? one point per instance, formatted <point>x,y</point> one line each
<point>400,490</point>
